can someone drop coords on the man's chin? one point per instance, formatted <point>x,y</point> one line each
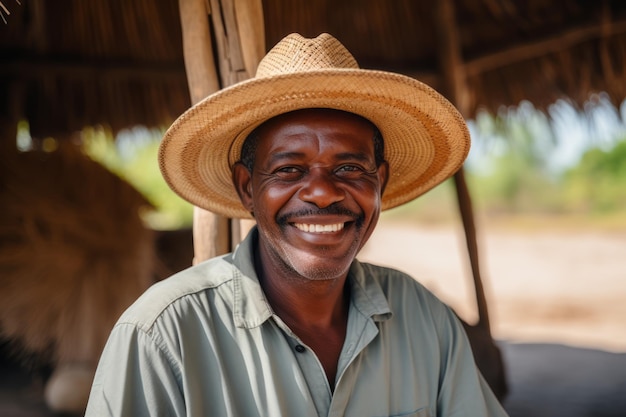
<point>321,268</point>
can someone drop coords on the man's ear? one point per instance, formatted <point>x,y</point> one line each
<point>242,179</point>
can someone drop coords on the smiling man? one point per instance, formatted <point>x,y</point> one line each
<point>290,323</point>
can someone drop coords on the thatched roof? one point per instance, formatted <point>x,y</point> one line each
<point>70,63</point>
<point>77,63</point>
<point>537,50</point>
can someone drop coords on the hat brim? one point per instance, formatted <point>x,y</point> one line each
<point>426,139</point>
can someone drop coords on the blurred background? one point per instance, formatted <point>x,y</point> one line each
<point>87,223</point>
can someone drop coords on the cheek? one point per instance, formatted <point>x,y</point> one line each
<point>276,194</point>
<point>269,199</point>
<point>368,196</point>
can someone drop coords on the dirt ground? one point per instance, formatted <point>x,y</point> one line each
<point>546,286</point>
<point>557,303</point>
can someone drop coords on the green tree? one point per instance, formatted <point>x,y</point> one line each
<point>134,158</point>
<point>516,177</point>
<point>598,183</point>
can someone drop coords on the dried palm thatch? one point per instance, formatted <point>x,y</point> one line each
<point>71,64</point>
<point>4,11</point>
<point>507,51</point>
<point>77,63</point>
<point>73,252</point>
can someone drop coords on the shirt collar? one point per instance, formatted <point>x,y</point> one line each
<point>367,295</point>
<point>251,308</point>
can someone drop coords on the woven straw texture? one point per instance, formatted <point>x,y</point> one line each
<point>426,139</point>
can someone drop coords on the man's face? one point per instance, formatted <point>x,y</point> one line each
<point>315,191</point>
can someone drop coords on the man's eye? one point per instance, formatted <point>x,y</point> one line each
<point>349,168</point>
<point>288,172</point>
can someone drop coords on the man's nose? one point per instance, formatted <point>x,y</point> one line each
<point>320,187</point>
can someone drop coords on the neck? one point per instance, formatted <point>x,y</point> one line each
<point>305,302</point>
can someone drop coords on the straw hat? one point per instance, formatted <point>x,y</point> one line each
<point>426,139</point>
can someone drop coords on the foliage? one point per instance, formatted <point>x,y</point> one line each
<point>520,179</point>
<point>514,174</point>
<point>134,158</point>
<point>598,183</point>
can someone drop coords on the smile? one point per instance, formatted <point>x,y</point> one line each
<point>319,228</point>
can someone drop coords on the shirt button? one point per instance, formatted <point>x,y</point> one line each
<point>300,348</point>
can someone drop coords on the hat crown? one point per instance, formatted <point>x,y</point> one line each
<point>295,53</point>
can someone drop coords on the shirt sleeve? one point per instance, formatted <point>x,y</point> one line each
<point>135,377</point>
<point>463,391</point>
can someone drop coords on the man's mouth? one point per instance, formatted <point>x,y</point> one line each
<point>319,228</point>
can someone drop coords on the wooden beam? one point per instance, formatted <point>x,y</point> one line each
<point>197,49</point>
<point>230,60</point>
<point>608,71</point>
<point>240,38</point>
<point>450,58</point>
<point>486,353</point>
<point>211,232</point>
<point>530,50</point>
<point>35,68</point>
<point>457,91</point>
<point>251,25</point>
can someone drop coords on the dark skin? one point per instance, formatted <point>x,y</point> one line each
<point>315,192</point>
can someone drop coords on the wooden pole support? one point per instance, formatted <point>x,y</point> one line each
<point>457,92</point>
<point>211,232</point>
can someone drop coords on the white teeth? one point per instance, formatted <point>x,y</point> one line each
<point>319,228</point>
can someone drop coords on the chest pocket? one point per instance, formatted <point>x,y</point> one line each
<point>422,412</point>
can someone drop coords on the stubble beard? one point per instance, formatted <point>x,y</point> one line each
<point>317,270</point>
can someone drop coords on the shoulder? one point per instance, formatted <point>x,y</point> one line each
<point>176,290</point>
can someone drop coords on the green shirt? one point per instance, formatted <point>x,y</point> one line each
<point>205,342</point>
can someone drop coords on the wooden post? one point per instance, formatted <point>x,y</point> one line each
<point>240,38</point>
<point>251,25</point>
<point>486,353</point>
<point>240,42</point>
<point>211,234</point>
<point>456,91</point>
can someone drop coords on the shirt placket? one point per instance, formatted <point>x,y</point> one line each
<point>361,331</point>
<point>311,369</point>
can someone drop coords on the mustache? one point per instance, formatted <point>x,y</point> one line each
<point>330,210</point>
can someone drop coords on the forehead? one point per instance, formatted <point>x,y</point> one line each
<point>305,115</point>
<point>289,128</point>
